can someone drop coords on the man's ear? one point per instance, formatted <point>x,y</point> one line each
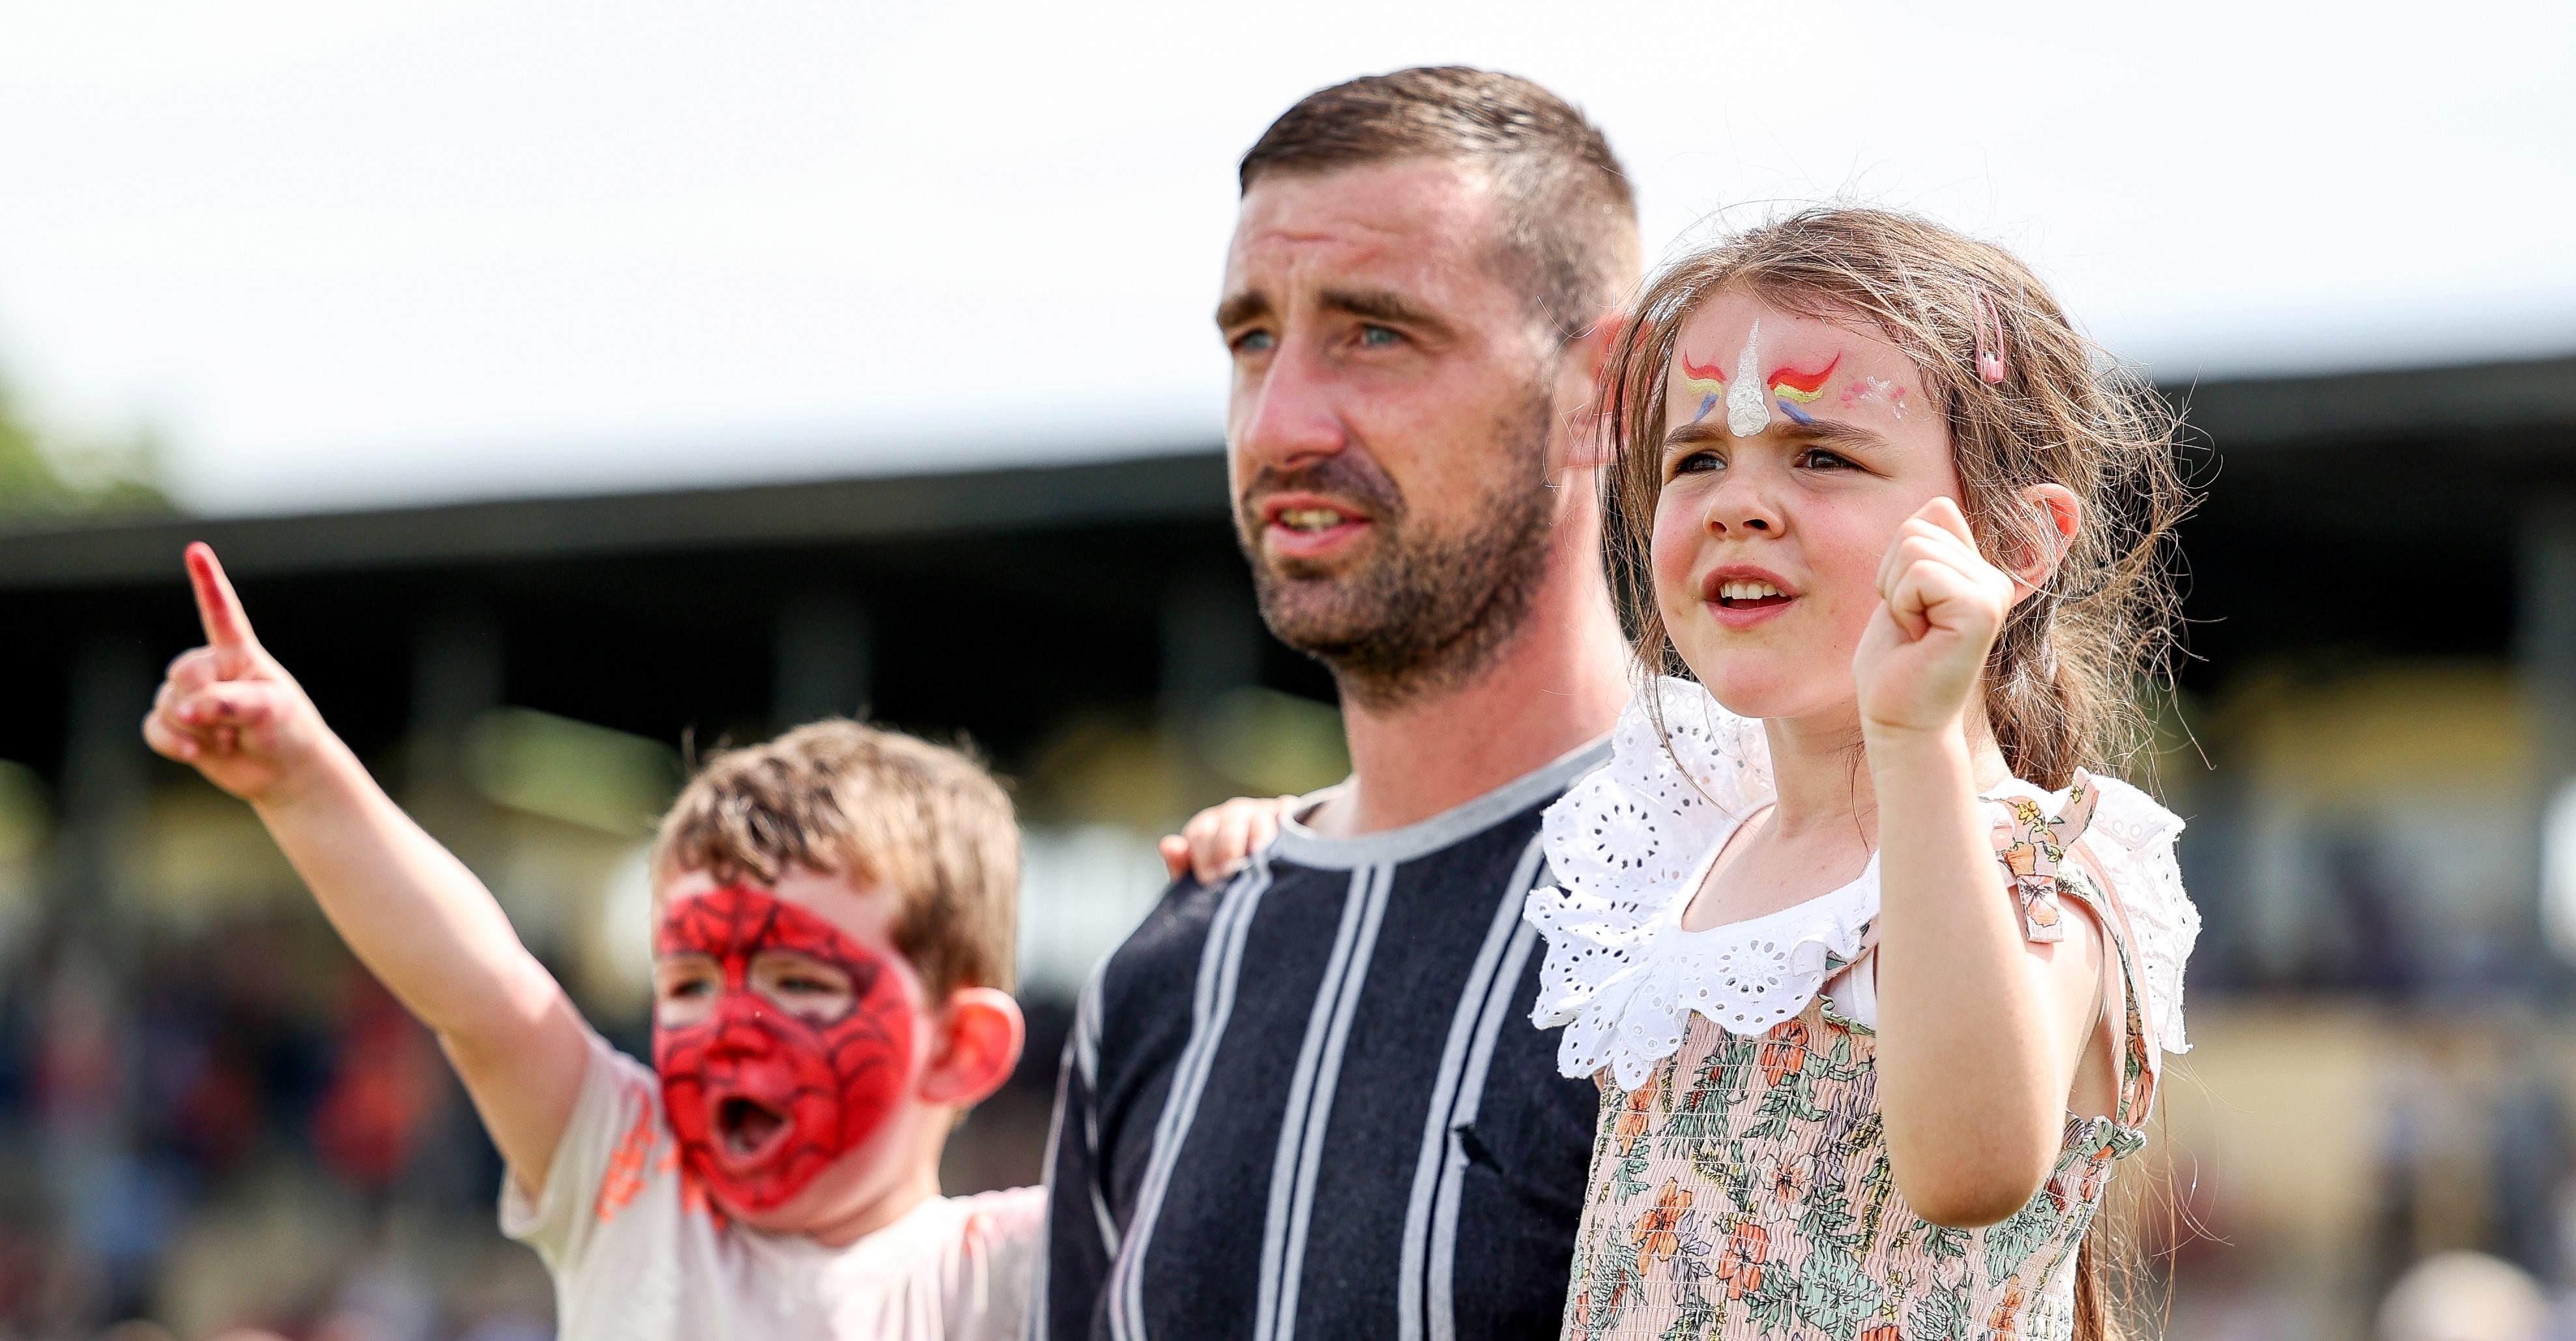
<point>1582,401</point>
<point>977,1041</point>
<point>2059,515</point>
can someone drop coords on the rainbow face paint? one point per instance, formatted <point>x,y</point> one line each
<point>763,1099</point>
<point>1708,380</point>
<point>1748,411</point>
<point>1792,388</point>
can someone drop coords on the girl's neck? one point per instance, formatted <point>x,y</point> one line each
<point>1820,775</point>
<point>1820,771</point>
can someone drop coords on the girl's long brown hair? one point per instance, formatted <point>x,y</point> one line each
<point>2068,682</point>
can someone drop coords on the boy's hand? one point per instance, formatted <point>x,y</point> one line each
<point>1217,840</point>
<point>228,707</point>
<point>1943,604</point>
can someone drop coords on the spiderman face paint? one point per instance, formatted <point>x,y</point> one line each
<point>782,1043</point>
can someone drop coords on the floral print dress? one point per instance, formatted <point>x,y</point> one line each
<point>1740,1183</point>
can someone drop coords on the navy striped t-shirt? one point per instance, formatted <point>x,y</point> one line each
<point>1310,1102</point>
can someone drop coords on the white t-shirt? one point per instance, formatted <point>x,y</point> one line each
<point>638,1254</point>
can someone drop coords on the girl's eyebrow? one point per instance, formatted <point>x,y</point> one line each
<point>1697,433</point>
<point>1821,432</point>
<point>1830,433</point>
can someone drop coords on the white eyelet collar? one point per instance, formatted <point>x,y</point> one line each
<point>1631,842</point>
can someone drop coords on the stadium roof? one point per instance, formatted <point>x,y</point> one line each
<point>356,256</point>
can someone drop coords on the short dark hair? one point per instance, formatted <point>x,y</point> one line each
<point>1568,236</point>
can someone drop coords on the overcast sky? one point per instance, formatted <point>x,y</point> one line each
<point>402,251</point>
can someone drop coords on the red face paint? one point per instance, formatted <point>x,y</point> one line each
<point>763,1100</point>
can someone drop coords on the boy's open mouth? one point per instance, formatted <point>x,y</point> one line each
<point>1742,595</point>
<point>748,1128</point>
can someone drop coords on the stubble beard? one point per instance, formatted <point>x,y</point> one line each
<point>1421,614</point>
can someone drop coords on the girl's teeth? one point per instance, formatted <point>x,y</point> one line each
<point>1747,591</point>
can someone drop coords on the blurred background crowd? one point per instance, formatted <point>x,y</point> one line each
<point>576,389</point>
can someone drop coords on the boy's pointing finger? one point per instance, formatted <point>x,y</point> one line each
<point>227,627</point>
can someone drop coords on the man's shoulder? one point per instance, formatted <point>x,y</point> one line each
<point>1458,842</point>
<point>1168,940</point>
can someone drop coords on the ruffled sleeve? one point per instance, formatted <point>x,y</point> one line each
<point>2133,838</point>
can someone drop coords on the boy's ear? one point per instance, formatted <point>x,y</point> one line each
<point>979,1035</point>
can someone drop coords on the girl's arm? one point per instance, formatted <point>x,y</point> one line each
<point>408,909</point>
<point>1981,1033</point>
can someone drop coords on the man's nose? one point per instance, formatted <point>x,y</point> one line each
<point>1290,414</point>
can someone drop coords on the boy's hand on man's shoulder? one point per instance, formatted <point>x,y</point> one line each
<point>229,708</point>
<point>1218,840</point>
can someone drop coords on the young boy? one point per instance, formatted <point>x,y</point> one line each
<point>831,963</point>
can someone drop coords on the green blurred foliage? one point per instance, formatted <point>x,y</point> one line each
<point>46,476</point>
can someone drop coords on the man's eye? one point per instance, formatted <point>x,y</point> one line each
<point>1254,342</point>
<point>1378,337</point>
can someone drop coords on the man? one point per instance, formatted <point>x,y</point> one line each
<point>1307,1100</point>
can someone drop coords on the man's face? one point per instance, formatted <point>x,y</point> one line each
<point>1390,424</point>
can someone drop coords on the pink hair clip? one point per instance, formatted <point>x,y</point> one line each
<point>1990,342</point>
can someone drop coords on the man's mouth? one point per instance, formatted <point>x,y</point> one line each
<point>1750,595</point>
<point>1306,528</point>
<point>1311,520</point>
<point>746,1128</point>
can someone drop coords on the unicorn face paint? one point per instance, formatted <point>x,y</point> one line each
<point>1790,376</point>
<point>1706,380</point>
<point>1791,389</point>
<point>1747,413</point>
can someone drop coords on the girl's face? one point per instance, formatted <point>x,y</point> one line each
<point>1793,449</point>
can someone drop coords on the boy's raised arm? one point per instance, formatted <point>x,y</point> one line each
<point>408,908</point>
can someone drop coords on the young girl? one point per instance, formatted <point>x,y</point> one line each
<point>1874,973</point>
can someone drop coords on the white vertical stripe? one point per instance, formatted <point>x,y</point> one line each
<point>1319,1116</point>
<point>1086,1063</point>
<point>1081,1058</point>
<point>1471,1093</point>
<point>1293,1117</point>
<point>1037,1325</point>
<point>1444,1090</point>
<point>1220,963</point>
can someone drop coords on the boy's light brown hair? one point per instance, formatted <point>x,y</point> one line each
<point>869,804</point>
